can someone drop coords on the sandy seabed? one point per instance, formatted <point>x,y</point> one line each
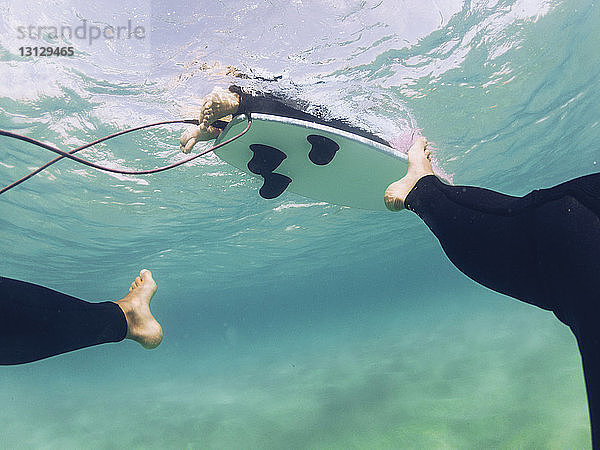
<point>505,375</point>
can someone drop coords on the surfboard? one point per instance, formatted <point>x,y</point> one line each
<point>313,160</point>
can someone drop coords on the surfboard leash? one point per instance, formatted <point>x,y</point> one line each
<point>69,155</point>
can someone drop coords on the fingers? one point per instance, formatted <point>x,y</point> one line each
<point>188,139</point>
<point>188,146</point>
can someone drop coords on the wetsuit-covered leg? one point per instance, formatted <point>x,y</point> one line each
<point>37,322</point>
<point>543,249</point>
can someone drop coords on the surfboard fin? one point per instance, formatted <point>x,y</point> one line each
<point>264,161</point>
<point>274,185</point>
<point>323,149</point>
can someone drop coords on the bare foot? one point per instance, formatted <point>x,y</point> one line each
<point>216,105</point>
<point>419,165</point>
<point>219,103</point>
<point>142,327</point>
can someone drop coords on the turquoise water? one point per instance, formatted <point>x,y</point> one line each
<point>291,323</point>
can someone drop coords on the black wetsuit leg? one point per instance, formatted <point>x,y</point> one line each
<point>37,322</point>
<point>261,102</point>
<point>543,249</point>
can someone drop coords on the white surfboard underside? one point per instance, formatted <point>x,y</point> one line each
<point>357,176</point>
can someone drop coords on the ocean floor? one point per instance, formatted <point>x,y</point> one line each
<point>491,374</point>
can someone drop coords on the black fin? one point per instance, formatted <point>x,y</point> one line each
<point>323,149</point>
<point>265,160</point>
<point>275,184</point>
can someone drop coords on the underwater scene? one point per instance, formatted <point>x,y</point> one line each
<point>289,322</point>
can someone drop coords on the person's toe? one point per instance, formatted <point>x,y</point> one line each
<point>146,277</point>
<point>420,143</point>
<point>207,115</point>
<point>206,109</point>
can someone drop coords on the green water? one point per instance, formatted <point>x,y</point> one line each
<point>289,323</point>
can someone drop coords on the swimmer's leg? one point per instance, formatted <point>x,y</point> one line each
<point>37,322</point>
<point>519,246</point>
<point>495,250</point>
<point>589,347</point>
<point>542,249</point>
